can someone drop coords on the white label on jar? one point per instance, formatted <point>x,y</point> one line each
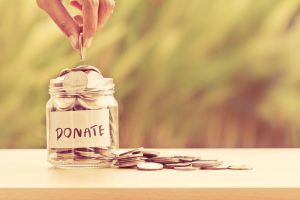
<point>86,128</point>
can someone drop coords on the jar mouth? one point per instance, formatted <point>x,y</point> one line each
<point>56,87</point>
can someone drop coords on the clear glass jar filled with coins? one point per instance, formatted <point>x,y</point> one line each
<point>82,119</point>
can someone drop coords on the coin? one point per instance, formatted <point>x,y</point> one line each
<point>95,80</point>
<point>129,164</point>
<point>75,80</point>
<point>88,149</point>
<point>82,49</point>
<point>171,166</point>
<point>64,72</point>
<point>86,68</point>
<point>189,168</point>
<point>64,151</point>
<point>127,156</point>
<point>150,154</point>
<point>63,103</point>
<point>188,158</point>
<point>89,105</point>
<point>149,166</point>
<point>206,164</point>
<point>132,151</point>
<point>163,160</point>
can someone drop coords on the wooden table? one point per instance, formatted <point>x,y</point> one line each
<point>25,174</point>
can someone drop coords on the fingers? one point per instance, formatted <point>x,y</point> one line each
<point>62,18</point>
<point>77,4</point>
<point>106,8</point>
<point>90,20</point>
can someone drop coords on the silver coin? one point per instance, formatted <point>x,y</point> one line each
<point>132,151</point>
<point>75,80</point>
<point>150,154</point>
<point>63,103</point>
<point>171,166</point>
<point>126,156</point>
<point>95,80</point>
<point>86,68</point>
<point>206,164</point>
<point>64,151</point>
<point>90,105</point>
<point>82,49</point>
<point>128,164</point>
<point>163,160</point>
<point>149,166</point>
<point>64,72</point>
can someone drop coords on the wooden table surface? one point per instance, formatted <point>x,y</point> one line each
<point>25,174</point>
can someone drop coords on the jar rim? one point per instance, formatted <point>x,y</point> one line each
<point>56,87</point>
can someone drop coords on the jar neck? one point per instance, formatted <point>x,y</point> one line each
<point>81,93</point>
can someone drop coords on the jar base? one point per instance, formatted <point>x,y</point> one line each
<point>71,164</point>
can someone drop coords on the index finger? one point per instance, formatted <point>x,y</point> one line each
<point>57,11</point>
<point>90,20</point>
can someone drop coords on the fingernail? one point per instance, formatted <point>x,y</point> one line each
<point>89,42</point>
<point>73,41</point>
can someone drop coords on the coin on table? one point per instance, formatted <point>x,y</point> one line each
<point>150,154</point>
<point>188,158</point>
<point>132,151</point>
<point>149,166</point>
<point>206,164</point>
<point>239,167</point>
<point>172,165</point>
<point>163,160</point>
<point>188,168</point>
<point>130,156</point>
<point>128,164</point>
<point>75,79</point>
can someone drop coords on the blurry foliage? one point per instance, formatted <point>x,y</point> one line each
<point>211,73</point>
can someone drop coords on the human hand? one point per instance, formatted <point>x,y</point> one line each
<point>94,15</point>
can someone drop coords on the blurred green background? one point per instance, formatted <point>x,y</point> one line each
<point>211,73</point>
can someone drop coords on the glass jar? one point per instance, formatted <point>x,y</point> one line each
<point>82,119</point>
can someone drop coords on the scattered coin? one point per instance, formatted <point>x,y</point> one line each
<point>128,164</point>
<point>132,151</point>
<point>164,160</point>
<point>172,166</point>
<point>206,164</point>
<point>149,166</point>
<point>150,154</point>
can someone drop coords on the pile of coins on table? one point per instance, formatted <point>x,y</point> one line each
<point>151,160</point>
<point>83,155</point>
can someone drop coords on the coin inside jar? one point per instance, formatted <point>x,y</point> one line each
<point>75,79</point>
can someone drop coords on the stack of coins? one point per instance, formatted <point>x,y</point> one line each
<point>150,160</point>
<point>83,155</point>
